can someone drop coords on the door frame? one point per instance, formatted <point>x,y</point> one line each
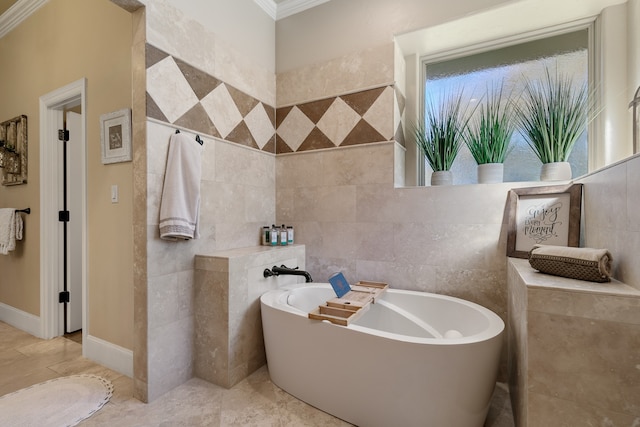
<point>51,119</point>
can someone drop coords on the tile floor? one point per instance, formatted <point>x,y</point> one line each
<point>26,360</point>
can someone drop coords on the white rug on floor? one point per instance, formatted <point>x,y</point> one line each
<point>60,402</point>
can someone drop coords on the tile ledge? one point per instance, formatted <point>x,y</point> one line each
<point>251,250</point>
<point>534,279</point>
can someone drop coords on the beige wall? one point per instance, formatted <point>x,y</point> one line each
<point>62,42</point>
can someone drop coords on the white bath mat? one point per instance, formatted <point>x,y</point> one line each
<point>60,402</point>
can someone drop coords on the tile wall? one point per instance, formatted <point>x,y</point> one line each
<point>182,95</point>
<point>573,344</point>
<point>186,97</point>
<point>233,209</point>
<point>194,80</point>
<point>611,216</point>
<point>362,117</point>
<point>340,198</point>
<point>229,344</point>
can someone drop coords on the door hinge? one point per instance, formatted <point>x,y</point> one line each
<point>63,297</point>
<point>63,216</point>
<point>63,135</point>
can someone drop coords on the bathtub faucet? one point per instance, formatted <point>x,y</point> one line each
<point>283,269</point>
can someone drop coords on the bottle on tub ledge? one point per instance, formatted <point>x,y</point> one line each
<point>277,236</point>
<point>273,235</point>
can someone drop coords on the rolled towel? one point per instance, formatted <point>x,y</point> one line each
<point>589,264</point>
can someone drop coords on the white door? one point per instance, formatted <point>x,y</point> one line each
<point>74,227</point>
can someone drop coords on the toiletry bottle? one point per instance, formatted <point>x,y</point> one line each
<point>265,235</point>
<point>290,234</point>
<point>283,235</point>
<point>273,236</point>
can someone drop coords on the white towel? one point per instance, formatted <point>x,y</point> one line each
<point>180,204</point>
<point>10,230</point>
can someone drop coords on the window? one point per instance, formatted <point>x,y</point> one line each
<point>511,65</point>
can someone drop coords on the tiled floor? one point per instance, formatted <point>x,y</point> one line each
<point>26,360</point>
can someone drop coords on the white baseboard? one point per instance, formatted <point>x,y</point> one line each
<point>20,319</point>
<point>108,354</point>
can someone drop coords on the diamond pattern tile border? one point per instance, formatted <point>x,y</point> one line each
<point>372,115</point>
<point>212,107</point>
<point>206,104</point>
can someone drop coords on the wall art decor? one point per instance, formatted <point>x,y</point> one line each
<point>13,151</point>
<point>115,136</point>
<point>546,215</point>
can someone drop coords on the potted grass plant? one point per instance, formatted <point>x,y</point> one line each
<point>552,115</point>
<point>489,134</point>
<point>440,135</point>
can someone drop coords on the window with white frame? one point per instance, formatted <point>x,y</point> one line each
<point>510,66</point>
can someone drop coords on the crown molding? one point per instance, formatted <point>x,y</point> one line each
<point>287,7</point>
<point>291,7</point>
<point>23,8</point>
<point>18,13</point>
<point>268,6</point>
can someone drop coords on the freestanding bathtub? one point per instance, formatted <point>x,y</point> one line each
<point>412,359</point>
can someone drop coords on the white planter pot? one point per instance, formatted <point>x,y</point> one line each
<point>490,173</point>
<point>557,171</point>
<point>442,178</point>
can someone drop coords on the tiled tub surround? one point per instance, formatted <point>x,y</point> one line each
<point>350,217</point>
<point>573,350</point>
<point>228,329</point>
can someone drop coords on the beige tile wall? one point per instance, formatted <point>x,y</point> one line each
<point>351,218</point>
<point>228,328</point>
<point>342,202</point>
<point>573,355</point>
<point>612,216</point>
<point>194,79</point>
<point>234,207</point>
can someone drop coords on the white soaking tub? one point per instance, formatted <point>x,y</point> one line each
<point>412,359</point>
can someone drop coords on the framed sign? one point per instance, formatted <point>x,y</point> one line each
<point>115,136</point>
<point>543,215</point>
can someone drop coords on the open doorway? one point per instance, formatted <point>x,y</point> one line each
<point>70,230</point>
<point>63,219</point>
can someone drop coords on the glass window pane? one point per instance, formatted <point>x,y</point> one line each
<point>512,65</point>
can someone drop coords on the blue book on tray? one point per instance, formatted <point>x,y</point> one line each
<point>339,284</point>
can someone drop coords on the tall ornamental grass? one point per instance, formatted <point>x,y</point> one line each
<point>440,135</point>
<point>552,115</point>
<point>489,133</point>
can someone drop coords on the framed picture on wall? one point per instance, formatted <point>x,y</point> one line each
<point>115,136</point>
<point>543,215</point>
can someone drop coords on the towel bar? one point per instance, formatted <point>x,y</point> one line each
<point>27,210</point>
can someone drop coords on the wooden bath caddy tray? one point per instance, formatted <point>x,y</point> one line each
<point>351,305</point>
